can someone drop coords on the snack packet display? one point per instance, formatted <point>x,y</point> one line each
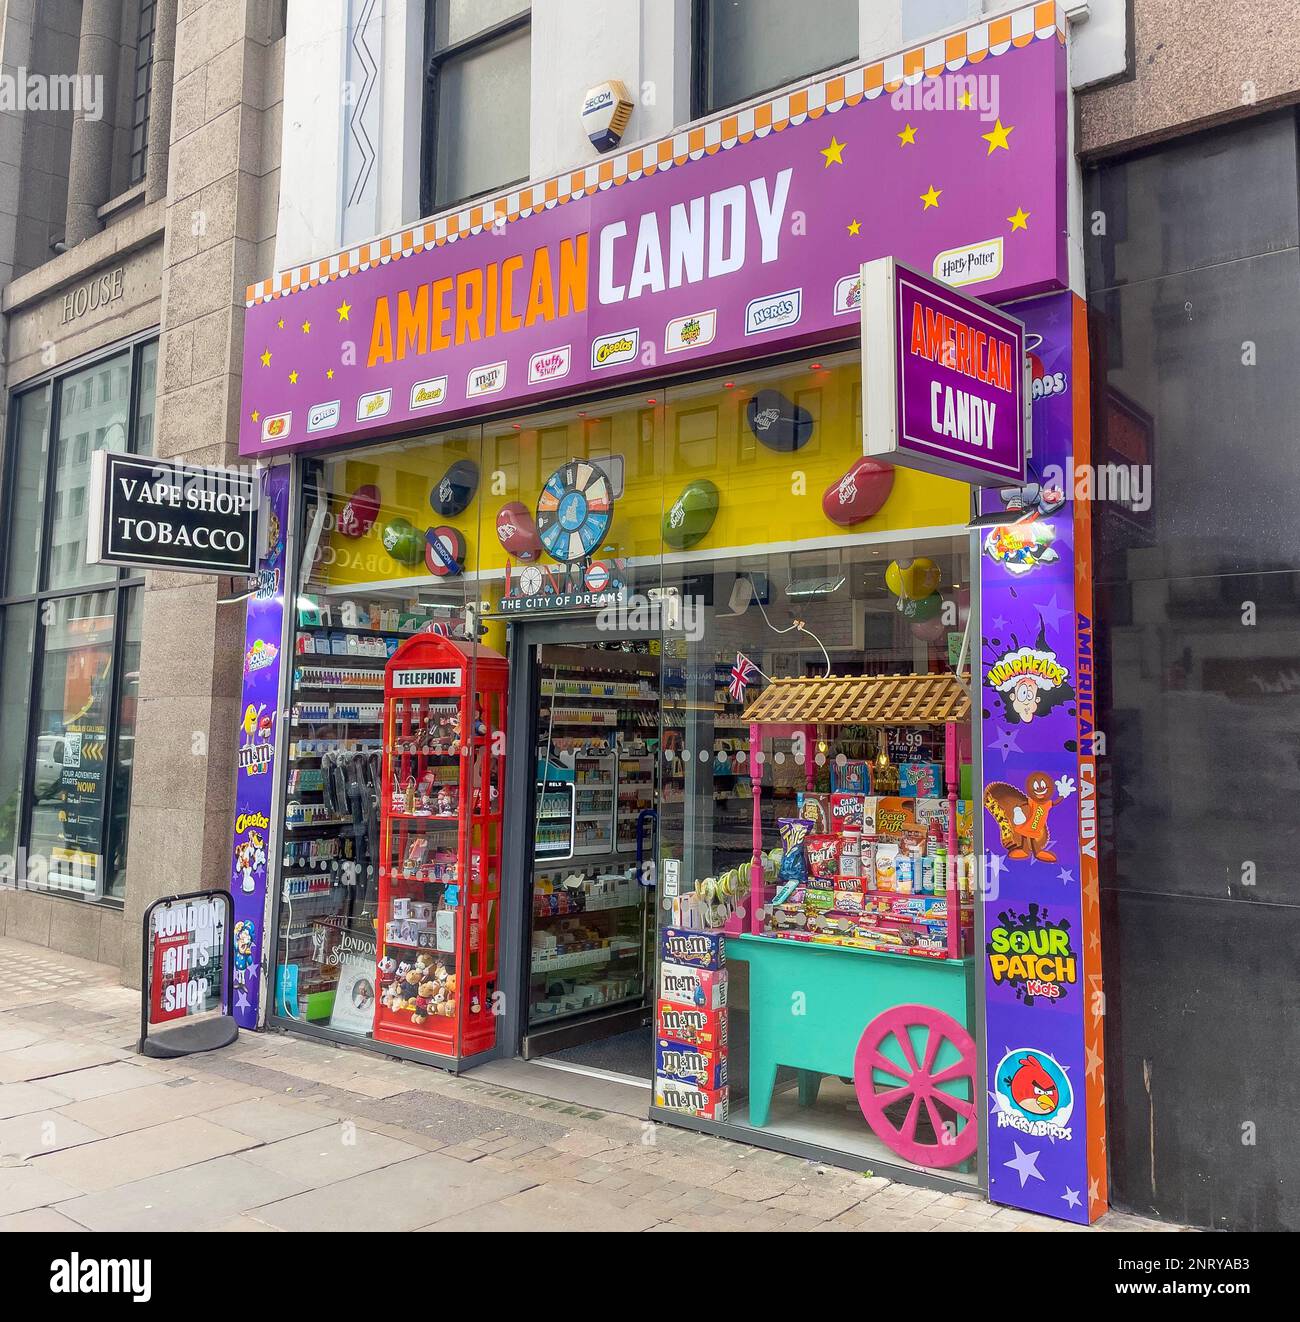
<point>822,853</point>
<point>794,864</point>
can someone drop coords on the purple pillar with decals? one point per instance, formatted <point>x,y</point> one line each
<point>255,832</point>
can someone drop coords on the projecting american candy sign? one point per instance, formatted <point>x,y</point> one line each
<point>672,258</point>
<point>943,379</point>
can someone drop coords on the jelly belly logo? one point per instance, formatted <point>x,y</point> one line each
<point>323,417</point>
<point>618,348</point>
<point>429,394</point>
<point>774,312</point>
<point>276,427</point>
<point>486,380</point>
<point>1033,1094</point>
<point>848,294</point>
<point>374,405</point>
<point>550,365</point>
<point>969,264</point>
<point>259,656</point>
<point>692,332</point>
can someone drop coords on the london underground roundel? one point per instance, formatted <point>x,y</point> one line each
<point>574,511</point>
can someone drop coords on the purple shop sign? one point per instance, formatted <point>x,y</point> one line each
<point>944,379</point>
<point>738,250</point>
<point>255,834</point>
<point>1039,948</point>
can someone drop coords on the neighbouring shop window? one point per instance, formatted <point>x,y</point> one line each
<point>69,632</point>
<point>70,776</point>
<point>477,99</point>
<point>94,413</point>
<point>15,685</point>
<point>746,47</point>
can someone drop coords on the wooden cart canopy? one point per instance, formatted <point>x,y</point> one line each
<point>862,700</point>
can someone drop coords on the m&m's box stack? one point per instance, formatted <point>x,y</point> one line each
<point>691,1024</point>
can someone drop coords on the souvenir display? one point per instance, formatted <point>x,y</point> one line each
<point>574,511</point>
<point>439,847</point>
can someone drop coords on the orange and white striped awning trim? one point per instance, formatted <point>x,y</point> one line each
<point>825,96</point>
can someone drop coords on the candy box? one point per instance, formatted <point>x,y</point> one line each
<point>817,899</point>
<point>846,810</point>
<point>918,779</point>
<point>705,1030</point>
<point>815,808</point>
<point>894,815</point>
<point>936,809</point>
<point>700,950</point>
<point>684,1099</point>
<point>677,1062</point>
<point>787,917</point>
<point>704,989</point>
<point>851,902</point>
<point>851,778</point>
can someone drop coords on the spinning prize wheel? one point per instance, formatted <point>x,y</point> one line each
<point>574,511</point>
<point>915,1075</point>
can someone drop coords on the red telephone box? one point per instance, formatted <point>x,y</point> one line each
<point>440,845</point>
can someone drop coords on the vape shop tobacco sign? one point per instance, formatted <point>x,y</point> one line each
<point>157,514</point>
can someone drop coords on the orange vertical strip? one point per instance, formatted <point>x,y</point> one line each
<point>1094,1007</point>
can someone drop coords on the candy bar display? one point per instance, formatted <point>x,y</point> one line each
<point>691,1024</point>
<point>440,846</point>
<point>847,963</point>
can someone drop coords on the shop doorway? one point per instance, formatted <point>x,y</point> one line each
<point>590,703</point>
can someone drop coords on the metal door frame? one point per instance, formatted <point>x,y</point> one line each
<point>515,916</point>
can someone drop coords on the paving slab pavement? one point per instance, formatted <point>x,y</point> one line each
<point>280,1133</point>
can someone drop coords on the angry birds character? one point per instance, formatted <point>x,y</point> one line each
<point>1032,1089</point>
<point>1022,815</point>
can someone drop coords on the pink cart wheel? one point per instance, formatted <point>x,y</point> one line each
<point>899,1087</point>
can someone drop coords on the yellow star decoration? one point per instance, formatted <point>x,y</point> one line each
<point>931,198</point>
<point>329,374</point>
<point>907,138</point>
<point>266,358</point>
<point>997,137</point>
<point>1020,220</point>
<point>963,101</point>
<point>280,323</point>
<point>344,310</point>
<point>855,227</point>
<point>255,415</point>
<point>835,152</point>
<point>306,327</point>
<point>293,378</point>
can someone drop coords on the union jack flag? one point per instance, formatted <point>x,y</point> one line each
<point>743,673</point>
